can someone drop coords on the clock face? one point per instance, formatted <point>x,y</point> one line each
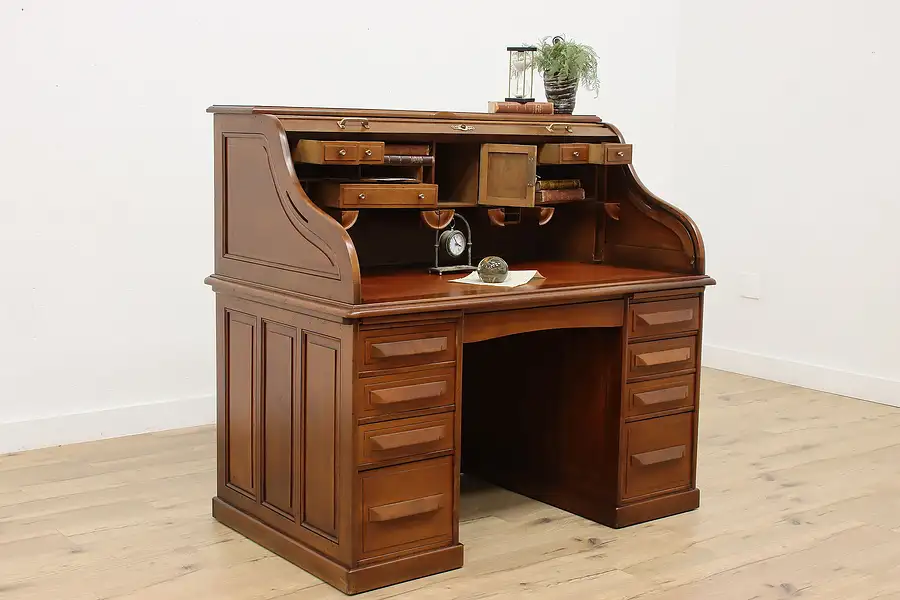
<point>456,244</point>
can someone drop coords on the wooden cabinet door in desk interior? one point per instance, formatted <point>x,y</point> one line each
<point>507,175</point>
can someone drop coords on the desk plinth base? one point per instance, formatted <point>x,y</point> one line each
<point>655,508</point>
<point>349,581</point>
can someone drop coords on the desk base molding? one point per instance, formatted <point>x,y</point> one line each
<point>347,580</point>
<point>656,508</point>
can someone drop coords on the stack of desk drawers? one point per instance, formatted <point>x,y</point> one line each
<point>406,436</point>
<point>660,398</point>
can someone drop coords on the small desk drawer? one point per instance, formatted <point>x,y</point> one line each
<point>618,154</point>
<point>573,153</point>
<point>323,153</point>
<point>387,394</point>
<point>407,506</point>
<point>383,195</point>
<point>662,356</point>
<point>371,152</point>
<point>658,395</point>
<point>404,438</point>
<point>407,346</point>
<point>659,454</point>
<point>665,317</point>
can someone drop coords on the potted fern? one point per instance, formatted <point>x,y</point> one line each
<point>563,65</point>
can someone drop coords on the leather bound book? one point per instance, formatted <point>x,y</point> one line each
<point>530,108</point>
<point>559,196</point>
<point>407,149</point>
<point>558,184</point>
<point>417,161</point>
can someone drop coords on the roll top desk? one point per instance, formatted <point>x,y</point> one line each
<point>354,387</point>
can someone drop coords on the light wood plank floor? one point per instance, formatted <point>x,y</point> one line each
<point>801,498</point>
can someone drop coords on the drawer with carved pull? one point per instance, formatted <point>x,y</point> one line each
<point>659,395</point>
<point>394,394</point>
<point>406,346</point>
<point>407,507</point>
<point>659,456</point>
<point>661,356</point>
<point>664,317</point>
<point>404,439</point>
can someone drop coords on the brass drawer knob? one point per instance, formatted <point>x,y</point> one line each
<point>575,154</point>
<point>342,152</point>
<point>362,196</point>
<point>368,152</point>
<point>620,153</point>
<point>421,196</point>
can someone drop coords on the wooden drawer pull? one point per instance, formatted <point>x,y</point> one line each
<point>409,393</point>
<point>667,317</point>
<point>652,359</point>
<point>405,439</point>
<point>409,347</point>
<point>407,508</point>
<point>660,396</point>
<point>659,456</point>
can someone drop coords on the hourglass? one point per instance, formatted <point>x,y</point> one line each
<point>521,73</point>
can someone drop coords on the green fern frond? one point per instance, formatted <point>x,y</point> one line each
<point>568,60</point>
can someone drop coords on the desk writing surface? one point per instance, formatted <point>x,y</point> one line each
<point>417,283</point>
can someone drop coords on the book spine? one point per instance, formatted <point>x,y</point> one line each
<point>561,195</point>
<point>407,149</point>
<point>418,161</point>
<point>558,184</point>
<point>531,108</point>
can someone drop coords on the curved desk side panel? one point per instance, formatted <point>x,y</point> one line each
<point>649,232</point>
<point>267,229</point>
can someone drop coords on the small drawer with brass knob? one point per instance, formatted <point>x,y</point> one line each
<point>617,154</point>
<point>371,152</point>
<point>573,153</point>
<point>374,195</point>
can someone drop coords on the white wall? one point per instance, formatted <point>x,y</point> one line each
<point>788,121</point>
<point>106,159</point>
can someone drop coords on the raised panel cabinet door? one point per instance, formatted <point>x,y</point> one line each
<point>507,174</point>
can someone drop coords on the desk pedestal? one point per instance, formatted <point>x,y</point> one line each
<point>341,441</point>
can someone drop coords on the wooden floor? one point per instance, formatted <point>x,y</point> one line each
<point>801,498</point>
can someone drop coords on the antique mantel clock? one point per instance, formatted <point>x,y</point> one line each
<point>450,244</point>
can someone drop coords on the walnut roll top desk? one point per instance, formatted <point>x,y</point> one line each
<point>354,386</point>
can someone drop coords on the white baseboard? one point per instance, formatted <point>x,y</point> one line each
<point>816,377</point>
<point>100,424</point>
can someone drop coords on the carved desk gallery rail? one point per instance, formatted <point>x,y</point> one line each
<point>355,387</point>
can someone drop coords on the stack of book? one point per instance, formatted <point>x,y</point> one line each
<point>525,108</point>
<point>415,155</point>
<point>550,191</point>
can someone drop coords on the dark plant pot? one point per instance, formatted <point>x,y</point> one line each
<point>561,92</point>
